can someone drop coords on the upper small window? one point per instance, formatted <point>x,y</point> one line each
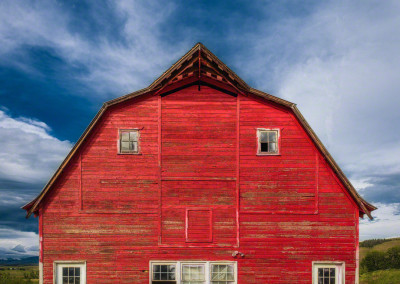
<point>129,141</point>
<point>268,141</point>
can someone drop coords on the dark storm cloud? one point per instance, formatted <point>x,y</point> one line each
<point>383,189</point>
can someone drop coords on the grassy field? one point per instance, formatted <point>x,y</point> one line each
<point>19,274</point>
<point>390,276</point>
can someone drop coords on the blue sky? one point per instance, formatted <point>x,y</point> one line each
<point>59,61</point>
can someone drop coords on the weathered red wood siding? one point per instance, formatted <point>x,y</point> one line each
<point>198,152</point>
<point>198,163</point>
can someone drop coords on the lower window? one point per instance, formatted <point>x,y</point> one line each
<point>70,272</point>
<point>193,272</point>
<point>328,272</point>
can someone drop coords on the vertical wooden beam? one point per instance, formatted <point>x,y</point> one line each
<point>237,169</point>
<point>41,246</point>
<point>357,244</point>
<point>159,171</point>
<point>199,67</point>
<point>80,182</point>
<point>316,182</point>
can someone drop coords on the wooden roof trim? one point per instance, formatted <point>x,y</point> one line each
<point>223,66</point>
<point>176,65</point>
<point>192,53</point>
<point>272,98</point>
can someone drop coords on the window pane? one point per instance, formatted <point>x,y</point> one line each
<point>332,281</point>
<point>332,272</point>
<point>272,147</point>
<point>125,136</point>
<point>71,271</point>
<point>124,146</point>
<point>65,271</point>
<point>185,276</point>
<point>65,280</point>
<point>263,136</point>
<point>156,276</point>
<point>171,272</point>
<point>264,147</point>
<point>133,136</point>
<point>77,271</point>
<point>272,136</point>
<point>326,272</point>
<point>133,146</point>
<point>320,272</point>
<point>71,279</point>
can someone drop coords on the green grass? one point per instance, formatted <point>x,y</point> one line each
<point>19,274</point>
<point>390,276</point>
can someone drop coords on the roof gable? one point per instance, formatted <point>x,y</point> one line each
<point>199,63</point>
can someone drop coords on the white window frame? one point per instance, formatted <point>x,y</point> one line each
<point>60,264</point>
<point>339,270</point>
<point>278,142</point>
<point>179,265</point>
<point>137,130</point>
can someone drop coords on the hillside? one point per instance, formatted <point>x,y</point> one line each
<point>33,260</point>
<point>384,276</point>
<point>384,246</point>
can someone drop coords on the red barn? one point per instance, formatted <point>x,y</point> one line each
<point>199,178</point>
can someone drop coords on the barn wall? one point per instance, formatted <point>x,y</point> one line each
<point>198,163</point>
<point>118,212</point>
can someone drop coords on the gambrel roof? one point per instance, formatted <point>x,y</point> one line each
<point>202,65</point>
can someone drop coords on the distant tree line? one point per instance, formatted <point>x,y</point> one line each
<point>373,242</point>
<point>379,260</point>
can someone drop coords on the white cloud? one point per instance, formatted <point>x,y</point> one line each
<point>28,153</point>
<point>15,244</point>
<point>346,84</point>
<point>361,184</point>
<point>112,66</point>
<point>385,224</point>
